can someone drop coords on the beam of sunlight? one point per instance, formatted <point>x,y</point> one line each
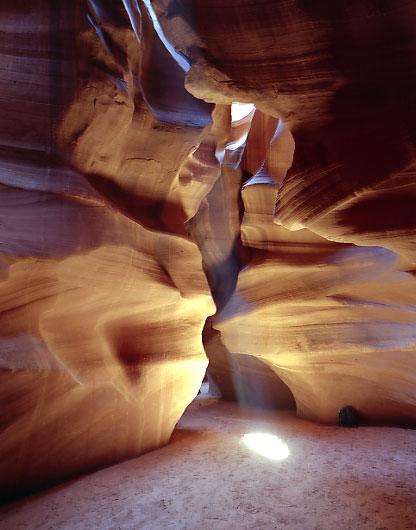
<point>267,445</point>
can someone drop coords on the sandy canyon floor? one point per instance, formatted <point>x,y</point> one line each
<point>208,479</point>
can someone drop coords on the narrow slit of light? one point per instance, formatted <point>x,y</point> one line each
<point>180,59</point>
<point>240,110</point>
<point>267,445</point>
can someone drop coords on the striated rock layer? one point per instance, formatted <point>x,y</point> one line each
<point>334,321</point>
<point>103,297</point>
<point>132,199</point>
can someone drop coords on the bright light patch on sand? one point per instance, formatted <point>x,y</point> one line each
<point>267,445</point>
<point>240,110</point>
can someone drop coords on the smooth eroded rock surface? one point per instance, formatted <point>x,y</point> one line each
<point>103,297</point>
<point>135,205</point>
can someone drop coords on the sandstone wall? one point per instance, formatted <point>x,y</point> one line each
<point>133,208</point>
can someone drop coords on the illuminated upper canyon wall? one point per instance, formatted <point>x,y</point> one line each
<point>131,203</point>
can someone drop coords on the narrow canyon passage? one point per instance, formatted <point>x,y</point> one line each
<point>208,479</point>
<point>186,183</point>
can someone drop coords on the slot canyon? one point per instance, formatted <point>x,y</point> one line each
<point>205,190</point>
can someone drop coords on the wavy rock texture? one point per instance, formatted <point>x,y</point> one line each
<point>130,203</point>
<point>334,321</point>
<point>103,298</point>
